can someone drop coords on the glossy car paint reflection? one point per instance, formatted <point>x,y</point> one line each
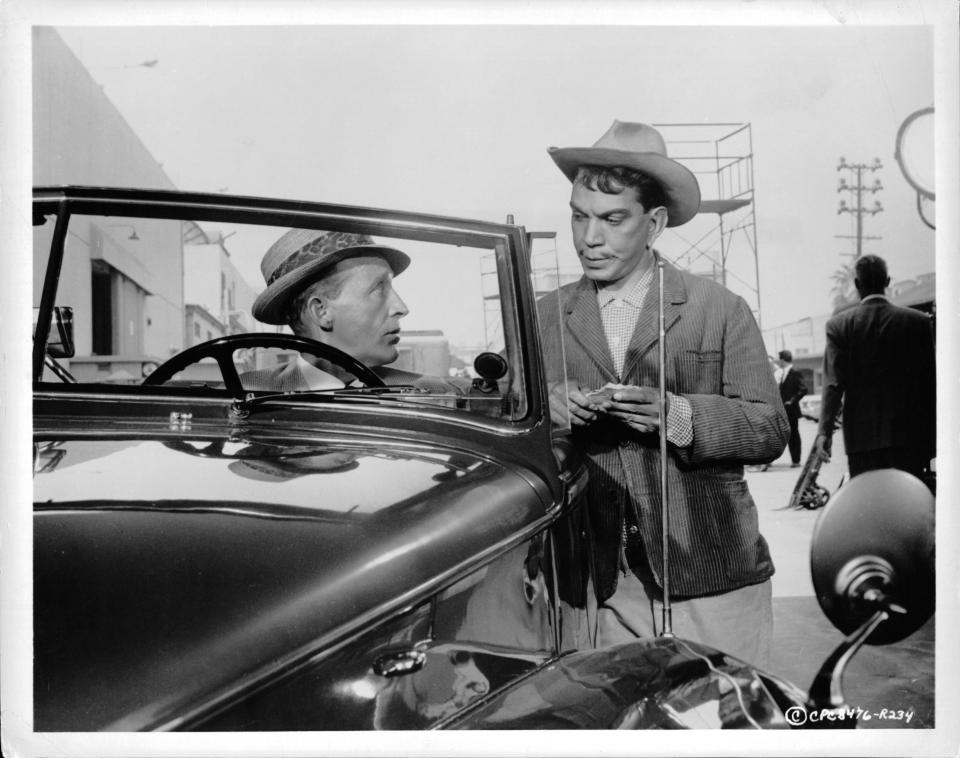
<point>473,639</point>
<point>665,683</point>
<point>239,587</point>
<point>330,477</point>
<point>466,680</point>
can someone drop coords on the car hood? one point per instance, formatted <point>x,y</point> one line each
<point>325,479</point>
<point>168,574</point>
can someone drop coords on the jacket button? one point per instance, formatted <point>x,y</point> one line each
<point>633,529</point>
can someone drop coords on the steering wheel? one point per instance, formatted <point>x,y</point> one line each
<point>223,348</point>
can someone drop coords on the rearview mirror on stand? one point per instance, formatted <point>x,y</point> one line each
<point>872,564</point>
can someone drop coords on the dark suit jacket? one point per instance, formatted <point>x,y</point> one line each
<point>792,388</point>
<point>717,360</point>
<point>879,361</point>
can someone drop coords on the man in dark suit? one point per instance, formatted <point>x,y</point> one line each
<point>879,365</point>
<point>723,409</point>
<point>792,388</point>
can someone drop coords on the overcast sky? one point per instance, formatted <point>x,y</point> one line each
<point>456,120</point>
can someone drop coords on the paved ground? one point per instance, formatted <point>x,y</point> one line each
<point>896,677</point>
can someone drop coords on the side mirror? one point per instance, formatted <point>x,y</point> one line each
<point>491,367</point>
<point>872,547</point>
<point>60,338</point>
<point>872,564</point>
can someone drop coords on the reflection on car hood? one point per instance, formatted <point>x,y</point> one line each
<point>170,573</point>
<point>324,479</point>
<point>661,683</point>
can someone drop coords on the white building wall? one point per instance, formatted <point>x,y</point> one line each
<point>211,276</point>
<point>202,276</point>
<point>243,297</point>
<point>79,137</point>
<point>806,337</point>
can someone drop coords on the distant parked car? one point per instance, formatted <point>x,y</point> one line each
<point>810,407</point>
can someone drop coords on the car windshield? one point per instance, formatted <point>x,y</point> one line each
<point>141,290</point>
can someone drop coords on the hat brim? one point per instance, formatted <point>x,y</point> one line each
<point>678,182</point>
<point>270,305</point>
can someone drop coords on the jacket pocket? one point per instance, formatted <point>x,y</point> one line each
<point>738,526</point>
<point>699,372</point>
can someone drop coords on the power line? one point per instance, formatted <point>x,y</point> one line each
<point>858,189</point>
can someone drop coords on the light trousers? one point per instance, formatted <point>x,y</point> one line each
<point>739,622</point>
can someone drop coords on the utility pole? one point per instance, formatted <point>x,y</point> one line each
<point>858,189</point>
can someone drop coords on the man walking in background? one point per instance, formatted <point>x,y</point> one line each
<point>792,388</point>
<point>879,364</point>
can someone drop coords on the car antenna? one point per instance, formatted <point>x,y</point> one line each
<point>664,493</point>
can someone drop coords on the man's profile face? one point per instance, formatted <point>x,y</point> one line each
<point>365,315</point>
<point>610,232</point>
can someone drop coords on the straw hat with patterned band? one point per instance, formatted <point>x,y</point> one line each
<point>301,255</point>
<point>639,147</point>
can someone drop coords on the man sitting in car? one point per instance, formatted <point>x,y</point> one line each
<point>335,288</point>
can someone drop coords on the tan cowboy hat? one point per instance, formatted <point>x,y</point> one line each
<point>640,147</point>
<point>300,255</point>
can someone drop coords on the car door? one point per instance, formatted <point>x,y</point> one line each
<point>422,667</point>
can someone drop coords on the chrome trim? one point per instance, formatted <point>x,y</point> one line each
<point>74,396</point>
<point>399,663</point>
<point>507,428</point>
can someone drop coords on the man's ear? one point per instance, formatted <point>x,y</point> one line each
<point>658,222</point>
<point>318,313</point>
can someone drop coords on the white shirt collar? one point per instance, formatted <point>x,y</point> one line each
<point>875,297</point>
<point>634,297</point>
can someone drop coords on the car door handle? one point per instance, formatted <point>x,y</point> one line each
<point>399,663</point>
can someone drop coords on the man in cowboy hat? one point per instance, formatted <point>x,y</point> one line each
<point>335,288</point>
<point>723,408</point>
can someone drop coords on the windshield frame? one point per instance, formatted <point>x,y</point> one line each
<point>508,243</point>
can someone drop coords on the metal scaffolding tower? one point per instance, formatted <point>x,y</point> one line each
<point>721,241</point>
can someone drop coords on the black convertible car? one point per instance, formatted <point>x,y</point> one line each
<point>209,556</point>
